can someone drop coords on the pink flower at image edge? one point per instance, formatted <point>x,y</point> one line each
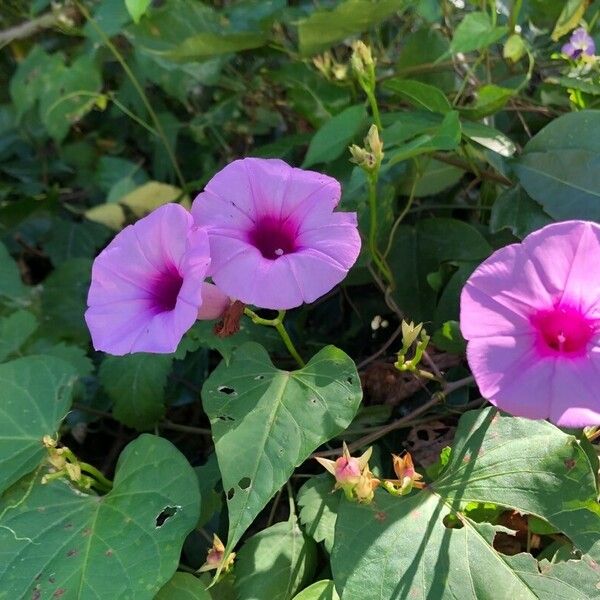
<point>531,316</point>
<point>148,285</point>
<point>275,240</point>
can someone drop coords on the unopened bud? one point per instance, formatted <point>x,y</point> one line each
<point>514,48</point>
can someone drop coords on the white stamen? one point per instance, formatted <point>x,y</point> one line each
<point>279,252</point>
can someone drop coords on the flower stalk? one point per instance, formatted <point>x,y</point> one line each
<point>277,323</point>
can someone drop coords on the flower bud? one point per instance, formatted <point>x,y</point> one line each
<point>514,48</point>
<point>362,60</point>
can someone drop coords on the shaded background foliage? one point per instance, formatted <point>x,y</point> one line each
<point>111,108</point>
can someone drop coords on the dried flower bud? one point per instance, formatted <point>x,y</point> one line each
<point>215,558</point>
<point>408,478</point>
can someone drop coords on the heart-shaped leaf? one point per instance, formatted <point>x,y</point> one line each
<point>266,422</point>
<point>275,562</point>
<point>57,542</point>
<point>402,547</point>
<point>35,395</point>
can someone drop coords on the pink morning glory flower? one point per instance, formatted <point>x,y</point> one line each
<point>579,43</point>
<point>531,315</point>
<point>148,285</point>
<point>275,241</point>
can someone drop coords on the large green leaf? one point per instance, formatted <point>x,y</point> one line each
<point>565,182</point>
<point>136,385</point>
<point>320,590</point>
<point>14,331</point>
<point>418,251</point>
<point>266,422</point>
<point>330,141</point>
<point>275,563</point>
<point>11,286</point>
<point>57,542</point>
<point>559,166</point>
<point>515,210</point>
<point>401,548</point>
<point>64,300</point>
<point>69,239</point>
<point>183,586</point>
<point>35,395</point>
<point>325,27</point>
<point>318,509</point>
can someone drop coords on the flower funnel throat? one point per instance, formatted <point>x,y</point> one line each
<point>563,330</point>
<point>531,316</point>
<point>166,290</point>
<point>275,240</point>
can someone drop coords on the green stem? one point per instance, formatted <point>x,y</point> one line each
<point>374,108</point>
<point>277,323</point>
<point>139,89</point>
<point>103,482</point>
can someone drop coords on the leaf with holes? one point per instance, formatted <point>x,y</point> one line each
<point>266,422</point>
<point>401,548</point>
<point>57,542</point>
<point>35,395</point>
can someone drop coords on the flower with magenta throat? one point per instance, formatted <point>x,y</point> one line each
<point>580,44</point>
<point>275,241</point>
<point>531,315</point>
<point>148,285</point>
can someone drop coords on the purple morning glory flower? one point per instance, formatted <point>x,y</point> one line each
<point>275,241</point>
<point>579,43</point>
<point>148,285</point>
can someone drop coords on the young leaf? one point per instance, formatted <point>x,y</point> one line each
<point>35,395</point>
<point>266,422</point>
<point>275,562</point>
<point>57,542</point>
<point>136,384</point>
<point>137,8</point>
<point>332,139</point>
<point>476,32</point>
<point>403,548</point>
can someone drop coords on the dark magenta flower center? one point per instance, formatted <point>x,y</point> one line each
<point>273,237</point>
<point>165,290</point>
<point>564,329</point>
